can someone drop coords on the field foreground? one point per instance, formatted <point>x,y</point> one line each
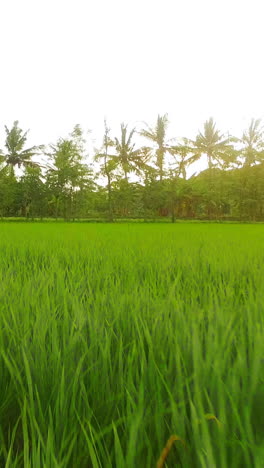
<point>115,337</point>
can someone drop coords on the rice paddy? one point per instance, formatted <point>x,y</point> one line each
<point>131,345</point>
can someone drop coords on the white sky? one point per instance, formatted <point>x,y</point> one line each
<point>76,61</point>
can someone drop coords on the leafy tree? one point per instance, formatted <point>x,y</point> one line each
<point>68,174</point>
<point>16,155</point>
<point>9,200</point>
<point>179,195</point>
<point>32,192</point>
<point>127,198</point>
<point>2,159</point>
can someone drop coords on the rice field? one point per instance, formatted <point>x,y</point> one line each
<point>115,338</point>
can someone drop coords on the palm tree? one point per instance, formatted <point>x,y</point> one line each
<point>157,135</point>
<point>129,158</point>
<point>214,145</point>
<point>219,151</point>
<point>181,153</point>
<point>253,141</point>
<point>109,164</point>
<point>15,142</point>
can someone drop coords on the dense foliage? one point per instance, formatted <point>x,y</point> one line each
<point>124,179</point>
<point>115,337</point>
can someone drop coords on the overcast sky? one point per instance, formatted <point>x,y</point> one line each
<point>76,61</point>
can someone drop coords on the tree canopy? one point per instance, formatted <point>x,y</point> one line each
<point>127,178</point>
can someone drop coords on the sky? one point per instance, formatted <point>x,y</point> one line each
<point>77,61</point>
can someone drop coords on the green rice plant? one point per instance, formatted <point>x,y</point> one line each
<point>114,337</point>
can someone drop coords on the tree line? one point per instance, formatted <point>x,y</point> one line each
<point>125,180</point>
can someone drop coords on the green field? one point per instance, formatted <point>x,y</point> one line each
<point>115,337</point>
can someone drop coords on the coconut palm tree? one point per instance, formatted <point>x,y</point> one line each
<point>108,166</point>
<point>157,135</point>
<point>218,149</point>
<point>16,155</point>
<point>183,157</point>
<point>253,141</point>
<point>129,158</point>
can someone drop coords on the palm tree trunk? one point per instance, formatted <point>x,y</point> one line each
<point>109,190</point>
<point>210,165</point>
<point>70,207</point>
<point>160,157</point>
